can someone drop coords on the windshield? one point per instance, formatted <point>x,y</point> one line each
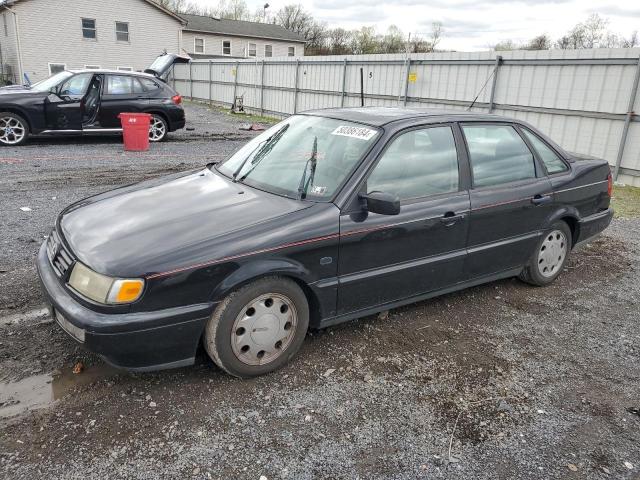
<point>301,157</point>
<point>53,81</point>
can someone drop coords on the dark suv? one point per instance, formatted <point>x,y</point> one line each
<point>89,102</point>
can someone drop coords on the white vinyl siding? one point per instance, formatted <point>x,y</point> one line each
<point>198,45</point>
<point>6,26</point>
<point>122,31</point>
<point>89,29</point>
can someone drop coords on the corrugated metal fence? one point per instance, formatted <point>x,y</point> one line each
<point>583,99</point>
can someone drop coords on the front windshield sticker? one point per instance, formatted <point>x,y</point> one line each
<point>318,190</point>
<point>355,132</point>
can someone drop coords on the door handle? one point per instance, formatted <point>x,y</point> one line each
<point>450,218</point>
<point>541,199</point>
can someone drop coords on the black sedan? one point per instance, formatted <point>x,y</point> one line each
<point>326,217</point>
<point>89,102</point>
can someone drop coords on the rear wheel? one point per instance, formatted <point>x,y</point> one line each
<point>14,130</point>
<point>258,328</point>
<point>158,129</point>
<point>549,257</point>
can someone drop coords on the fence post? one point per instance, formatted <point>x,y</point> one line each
<point>262,89</point>
<point>210,83</point>
<point>295,95</point>
<point>344,82</point>
<point>627,121</point>
<point>235,85</point>
<point>406,81</point>
<point>191,80</point>
<point>496,69</point>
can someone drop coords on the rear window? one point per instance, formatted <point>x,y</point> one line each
<point>149,84</point>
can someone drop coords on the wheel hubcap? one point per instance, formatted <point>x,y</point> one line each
<point>552,253</point>
<point>263,329</point>
<point>12,130</point>
<point>157,129</point>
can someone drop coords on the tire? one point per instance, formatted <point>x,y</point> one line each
<point>254,319</point>
<point>14,129</point>
<point>159,129</point>
<point>549,256</point>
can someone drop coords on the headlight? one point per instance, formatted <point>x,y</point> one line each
<point>103,289</point>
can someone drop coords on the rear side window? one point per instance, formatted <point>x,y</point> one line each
<point>498,155</point>
<point>550,158</point>
<point>149,85</point>
<point>123,85</point>
<point>417,164</point>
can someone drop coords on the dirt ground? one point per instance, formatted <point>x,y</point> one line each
<point>499,381</point>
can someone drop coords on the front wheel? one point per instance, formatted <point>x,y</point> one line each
<point>549,257</point>
<point>14,130</point>
<point>258,328</point>
<point>158,129</point>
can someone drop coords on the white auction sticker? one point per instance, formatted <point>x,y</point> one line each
<point>355,132</point>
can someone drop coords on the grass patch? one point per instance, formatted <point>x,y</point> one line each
<point>626,201</point>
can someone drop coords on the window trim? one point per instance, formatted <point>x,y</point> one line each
<point>230,47</point>
<point>128,32</point>
<point>462,179</point>
<point>294,50</point>
<point>95,29</point>
<point>195,45</point>
<point>57,63</point>
<point>249,50</point>
<point>522,130</point>
<point>538,169</point>
<point>265,50</point>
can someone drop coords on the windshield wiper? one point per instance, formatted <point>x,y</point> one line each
<point>265,147</point>
<point>313,160</point>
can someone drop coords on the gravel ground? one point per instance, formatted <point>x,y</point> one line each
<point>499,381</point>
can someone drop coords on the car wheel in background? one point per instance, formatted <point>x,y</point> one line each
<point>14,130</point>
<point>549,257</point>
<point>158,129</point>
<point>258,328</point>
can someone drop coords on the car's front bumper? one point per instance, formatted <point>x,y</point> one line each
<point>140,341</point>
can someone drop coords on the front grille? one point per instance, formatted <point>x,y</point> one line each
<point>60,259</point>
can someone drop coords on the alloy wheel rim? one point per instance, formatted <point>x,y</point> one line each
<point>552,253</point>
<point>12,130</point>
<point>157,129</point>
<point>264,329</point>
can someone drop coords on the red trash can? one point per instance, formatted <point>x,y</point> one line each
<point>135,131</point>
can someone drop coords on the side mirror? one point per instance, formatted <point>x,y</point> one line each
<point>382,203</point>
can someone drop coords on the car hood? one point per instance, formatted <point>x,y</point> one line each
<point>134,230</point>
<point>17,90</point>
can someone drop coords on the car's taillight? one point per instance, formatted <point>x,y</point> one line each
<point>610,185</point>
<point>177,99</point>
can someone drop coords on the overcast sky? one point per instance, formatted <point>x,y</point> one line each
<point>469,24</point>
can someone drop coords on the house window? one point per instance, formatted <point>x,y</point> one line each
<point>122,31</point>
<point>268,50</point>
<point>89,29</point>
<point>92,67</point>
<point>292,51</point>
<point>252,50</point>
<point>125,69</point>
<point>226,47</point>
<point>198,45</point>
<point>56,68</point>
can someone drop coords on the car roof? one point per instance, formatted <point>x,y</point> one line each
<point>379,116</point>
<point>116,72</point>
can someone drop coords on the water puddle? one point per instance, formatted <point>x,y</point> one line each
<point>42,391</point>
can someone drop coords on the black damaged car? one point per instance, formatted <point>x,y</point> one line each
<point>88,102</point>
<point>328,216</point>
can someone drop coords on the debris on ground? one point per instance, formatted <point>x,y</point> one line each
<point>252,127</point>
<point>78,368</point>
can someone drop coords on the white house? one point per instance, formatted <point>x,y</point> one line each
<point>41,37</point>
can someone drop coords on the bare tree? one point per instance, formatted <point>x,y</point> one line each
<point>541,42</point>
<point>437,31</point>
<point>630,42</point>
<point>392,41</point>
<point>505,45</point>
<point>339,41</point>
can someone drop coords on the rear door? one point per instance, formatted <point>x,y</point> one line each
<point>122,93</point>
<point>64,109</point>
<point>388,258</point>
<point>511,198</point>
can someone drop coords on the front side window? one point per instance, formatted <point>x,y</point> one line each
<point>550,158</point>
<point>75,86</point>
<point>123,85</point>
<point>226,47</point>
<point>498,155</point>
<point>89,29</point>
<point>199,45</point>
<point>252,50</point>
<point>268,50</point>
<point>291,51</point>
<point>302,157</point>
<point>122,31</point>
<point>417,164</point>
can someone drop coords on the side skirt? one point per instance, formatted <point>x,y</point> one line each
<point>328,322</point>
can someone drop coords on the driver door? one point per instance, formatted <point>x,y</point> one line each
<point>64,107</point>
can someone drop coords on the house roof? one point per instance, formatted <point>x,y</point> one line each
<point>8,3</point>
<point>240,28</point>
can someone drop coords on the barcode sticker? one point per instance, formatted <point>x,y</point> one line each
<point>354,132</point>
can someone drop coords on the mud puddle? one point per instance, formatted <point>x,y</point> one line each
<point>42,391</point>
